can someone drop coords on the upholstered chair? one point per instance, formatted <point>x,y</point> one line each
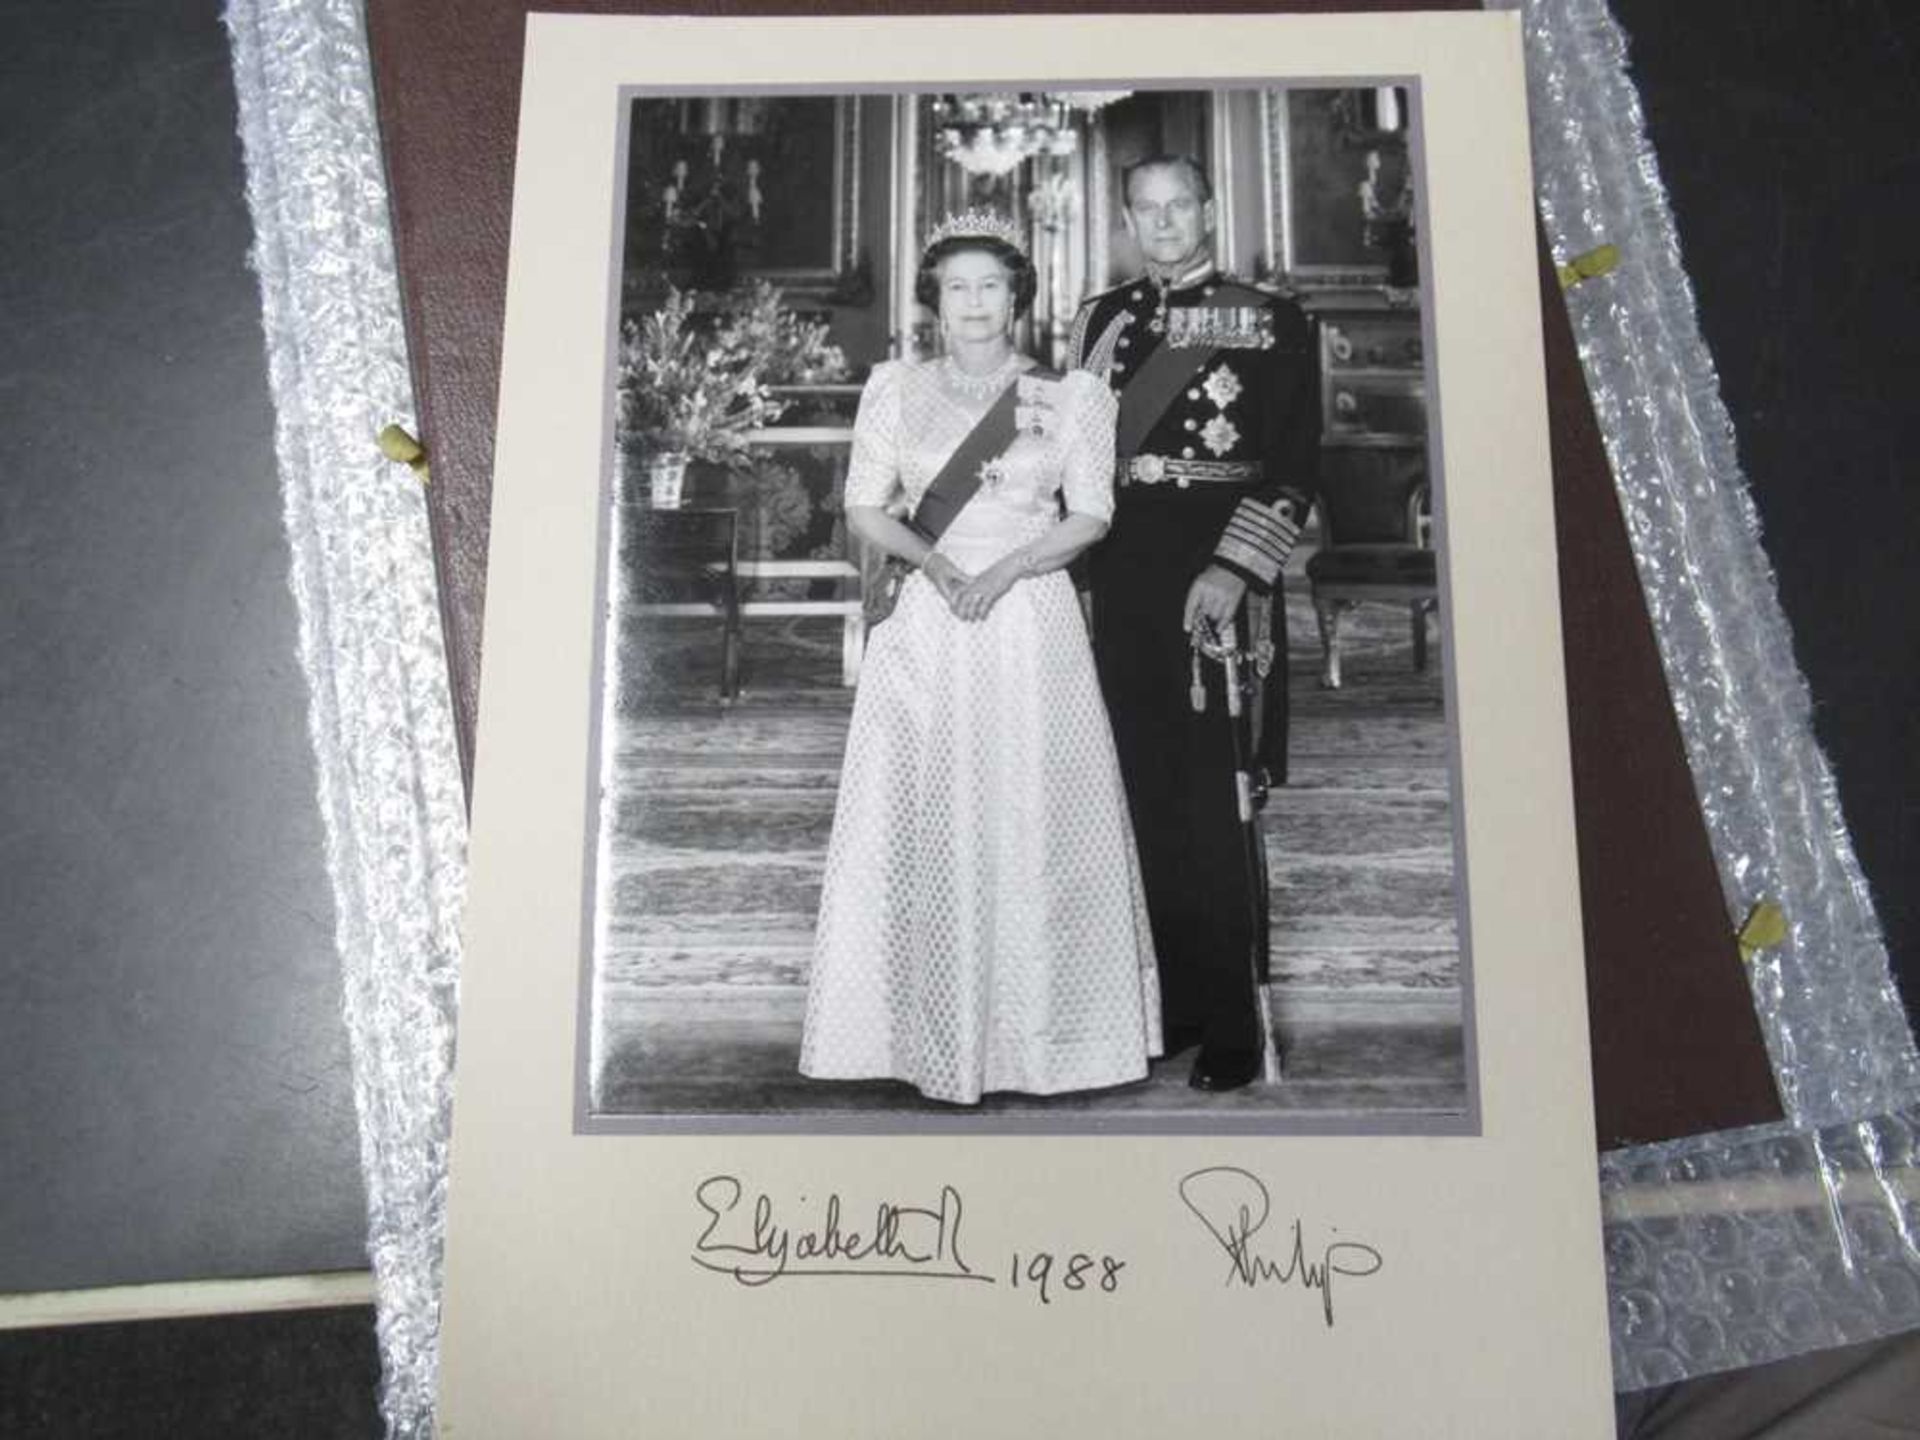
<point>1374,547</point>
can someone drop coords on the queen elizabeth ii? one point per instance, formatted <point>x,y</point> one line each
<point>982,926</point>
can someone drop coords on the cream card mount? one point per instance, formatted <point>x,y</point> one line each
<point>922,1275</point>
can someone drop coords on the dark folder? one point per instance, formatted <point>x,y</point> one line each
<point>1676,1047</point>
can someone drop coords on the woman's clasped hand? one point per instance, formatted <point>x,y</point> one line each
<point>970,597</point>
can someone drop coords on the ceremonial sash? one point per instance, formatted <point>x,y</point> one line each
<point>1145,398</point>
<point>951,490</point>
<point>959,479</point>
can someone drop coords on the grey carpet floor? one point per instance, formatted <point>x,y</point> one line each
<point>718,829</point>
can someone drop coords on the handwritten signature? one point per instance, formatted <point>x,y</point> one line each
<point>754,1245</point>
<point>1234,1206</point>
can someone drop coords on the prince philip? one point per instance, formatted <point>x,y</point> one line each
<point>1217,448</point>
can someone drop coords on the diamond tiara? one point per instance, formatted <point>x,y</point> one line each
<point>977,225</point>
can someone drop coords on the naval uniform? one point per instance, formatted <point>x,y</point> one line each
<point>1218,447</point>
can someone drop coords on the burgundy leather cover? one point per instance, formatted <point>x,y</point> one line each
<point>1676,1047</point>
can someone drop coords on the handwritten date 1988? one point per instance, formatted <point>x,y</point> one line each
<point>1043,1271</point>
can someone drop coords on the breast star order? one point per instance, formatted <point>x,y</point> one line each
<point>1219,434</point>
<point>1223,387</point>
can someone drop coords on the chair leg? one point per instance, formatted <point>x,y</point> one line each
<point>1327,612</point>
<point>730,652</point>
<point>1419,609</point>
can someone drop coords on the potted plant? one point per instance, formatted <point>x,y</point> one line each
<point>691,387</point>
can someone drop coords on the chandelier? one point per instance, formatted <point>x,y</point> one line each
<point>991,133</point>
<point>1088,100</point>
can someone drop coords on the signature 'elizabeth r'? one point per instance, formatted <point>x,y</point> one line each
<point>752,1244</point>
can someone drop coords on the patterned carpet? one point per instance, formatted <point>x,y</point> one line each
<point>719,823</point>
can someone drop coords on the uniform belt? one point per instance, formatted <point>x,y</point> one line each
<point>1169,469</point>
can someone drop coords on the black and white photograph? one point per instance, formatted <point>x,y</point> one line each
<point>1024,683</point>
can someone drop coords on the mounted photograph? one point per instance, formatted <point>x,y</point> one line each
<point>1024,694</point>
<point>1022,806</point>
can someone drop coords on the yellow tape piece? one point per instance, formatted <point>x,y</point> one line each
<point>399,446</point>
<point>1764,928</point>
<point>1598,261</point>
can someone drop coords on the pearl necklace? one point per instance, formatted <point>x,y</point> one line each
<point>978,387</point>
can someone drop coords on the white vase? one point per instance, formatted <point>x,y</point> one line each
<point>666,474</point>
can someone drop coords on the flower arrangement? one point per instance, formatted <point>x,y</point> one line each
<point>795,349</point>
<point>689,389</point>
<point>696,384</point>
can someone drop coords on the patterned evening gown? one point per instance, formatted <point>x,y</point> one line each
<point>982,925</point>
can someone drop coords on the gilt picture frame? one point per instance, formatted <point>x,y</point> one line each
<point>721,188</point>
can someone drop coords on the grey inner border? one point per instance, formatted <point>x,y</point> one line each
<point>586,1122</point>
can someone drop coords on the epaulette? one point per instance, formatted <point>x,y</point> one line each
<point>1108,293</point>
<point>1242,290</point>
<point>1278,289</point>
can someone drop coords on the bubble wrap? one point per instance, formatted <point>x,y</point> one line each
<point>380,714</point>
<point>1722,1250</point>
<point>1726,1250</point>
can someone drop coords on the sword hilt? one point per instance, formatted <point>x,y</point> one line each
<point>1239,664</point>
